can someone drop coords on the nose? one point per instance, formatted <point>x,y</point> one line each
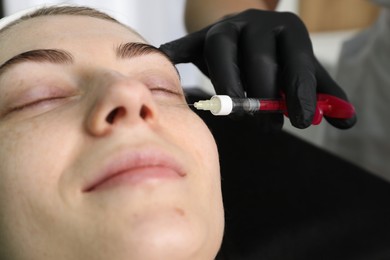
<point>119,102</point>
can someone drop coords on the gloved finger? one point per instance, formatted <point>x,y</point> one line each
<point>259,72</point>
<point>325,84</point>
<point>220,52</point>
<point>187,49</point>
<point>298,72</point>
<point>258,63</point>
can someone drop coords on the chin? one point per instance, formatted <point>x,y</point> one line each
<point>168,236</point>
<point>172,238</point>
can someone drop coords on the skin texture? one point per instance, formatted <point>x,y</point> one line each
<point>81,116</point>
<point>200,13</point>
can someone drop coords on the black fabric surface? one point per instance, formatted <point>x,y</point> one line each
<point>287,199</point>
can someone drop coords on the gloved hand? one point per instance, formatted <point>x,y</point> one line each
<point>261,53</point>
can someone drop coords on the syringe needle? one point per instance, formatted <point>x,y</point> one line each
<point>183,105</point>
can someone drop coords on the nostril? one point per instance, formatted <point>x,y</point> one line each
<point>111,116</point>
<point>120,112</point>
<point>145,112</point>
<point>115,113</point>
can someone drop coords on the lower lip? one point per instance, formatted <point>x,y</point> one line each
<point>137,176</point>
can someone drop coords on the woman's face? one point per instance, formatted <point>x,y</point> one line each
<point>99,157</point>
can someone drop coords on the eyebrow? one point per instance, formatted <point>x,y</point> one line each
<point>41,55</point>
<point>58,56</point>
<point>134,49</point>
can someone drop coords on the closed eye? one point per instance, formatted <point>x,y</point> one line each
<point>166,91</point>
<point>35,103</point>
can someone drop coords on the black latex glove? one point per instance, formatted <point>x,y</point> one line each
<point>261,53</point>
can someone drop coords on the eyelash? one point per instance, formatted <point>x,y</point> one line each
<point>34,103</point>
<point>166,90</point>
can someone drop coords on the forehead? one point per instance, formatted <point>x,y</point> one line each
<point>69,32</point>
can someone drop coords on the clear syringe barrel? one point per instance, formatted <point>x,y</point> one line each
<point>248,105</point>
<point>224,105</point>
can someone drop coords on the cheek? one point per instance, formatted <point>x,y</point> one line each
<point>32,158</point>
<point>193,136</point>
<point>29,151</point>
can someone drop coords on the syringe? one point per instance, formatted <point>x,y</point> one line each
<point>327,105</point>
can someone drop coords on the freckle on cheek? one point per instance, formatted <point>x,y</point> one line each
<point>179,211</point>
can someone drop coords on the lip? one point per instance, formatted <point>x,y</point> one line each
<point>134,167</point>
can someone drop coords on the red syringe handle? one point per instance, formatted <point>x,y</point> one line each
<point>327,105</point>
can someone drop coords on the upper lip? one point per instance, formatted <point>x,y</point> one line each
<point>131,159</point>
